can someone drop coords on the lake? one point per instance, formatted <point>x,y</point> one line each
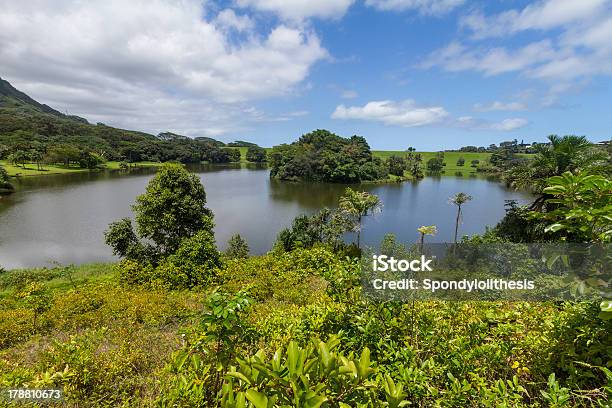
<point>62,217</point>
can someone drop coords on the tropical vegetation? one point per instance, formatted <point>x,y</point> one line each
<point>176,323</point>
<point>323,156</point>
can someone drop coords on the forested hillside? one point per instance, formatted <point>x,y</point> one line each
<point>33,132</point>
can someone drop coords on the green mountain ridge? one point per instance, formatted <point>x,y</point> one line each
<point>29,126</point>
<point>8,92</point>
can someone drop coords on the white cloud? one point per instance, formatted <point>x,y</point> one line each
<point>348,94</point>
<point>298,113</point>
<point>580,47</point>
<point>576,48</point>
<point>408,114</point>
<point>509,124</point>
<point>404,113</point>
<point>139,64</point>
<point>426,7</point>
<point>500,106</point>
<point>490,61</point>
<point>541,15</point>
<point>581,51</point>
<point>228,19</point>
<point>298,10</point>
<point>506,125</point>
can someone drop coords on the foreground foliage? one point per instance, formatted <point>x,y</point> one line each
<point>292,329</point>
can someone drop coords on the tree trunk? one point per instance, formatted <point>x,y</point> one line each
<point>457,222</point>
<point>422,242</point>
<point>359,232</point>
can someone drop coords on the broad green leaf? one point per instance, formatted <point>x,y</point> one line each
<point>257,398</point>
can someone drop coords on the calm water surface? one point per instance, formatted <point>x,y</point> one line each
<point>62,218</point>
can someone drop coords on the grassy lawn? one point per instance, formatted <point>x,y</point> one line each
<point>450,159</point>
<point>32,170</point>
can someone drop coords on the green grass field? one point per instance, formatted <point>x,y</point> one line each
<point>450,159</point>
<point>32,170</point>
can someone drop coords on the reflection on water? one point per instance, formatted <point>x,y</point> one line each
<point>63,217</point>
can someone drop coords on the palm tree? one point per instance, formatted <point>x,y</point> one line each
<point>561,154</point>
<point>426,230</point>
<point>459,199</point>
<point>359,204</point>
<point>37,157</point>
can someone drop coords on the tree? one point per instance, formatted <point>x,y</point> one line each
<point>5,184</point>
<point>90,160</point>
<point>121,237</point>
<point>397,165</point>
<point>359,204</point>
<point>223,155</point>
<point>256,154</point>
<point>460,162</point>
<point>193,263</point>
<point>561,154</point>
<point>19,157</point>
<point>503,158</point>
<point>237,247</point>
<point>38,298</point>
<point>518,226</point>
<point>64,154</point>
<point>325,227</point>
<point>426,230</point>
<point>435,164</point>
<point>37,157</point>
<point>459,199</point>
<point>172,209</point>
<point>323,156</point>
<point>474,163</point>
<point>414,164</point>
<point>233,154</point>
<point>583,207</point>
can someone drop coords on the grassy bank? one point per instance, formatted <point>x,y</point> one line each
<point>31,169</point>
<point>450,159</point>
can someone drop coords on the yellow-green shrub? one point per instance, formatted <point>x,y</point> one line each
<point>16,325</point>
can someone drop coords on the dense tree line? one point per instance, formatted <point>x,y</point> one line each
<point>256,154</point>
<point>323,156</point>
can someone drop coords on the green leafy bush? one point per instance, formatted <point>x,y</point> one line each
<point>237,247</point>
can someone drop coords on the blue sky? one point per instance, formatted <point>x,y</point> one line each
<point>432,74</point>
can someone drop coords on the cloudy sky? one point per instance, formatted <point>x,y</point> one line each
<point>423,73</point>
